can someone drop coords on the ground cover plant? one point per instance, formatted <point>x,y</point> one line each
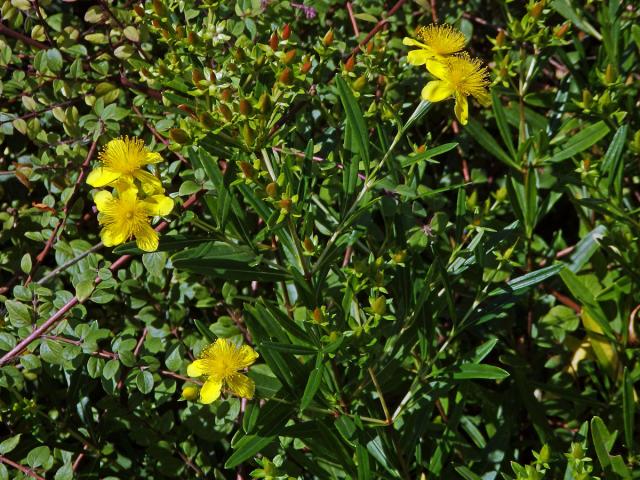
<point>319,240</point>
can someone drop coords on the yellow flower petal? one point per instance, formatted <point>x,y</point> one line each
<point>159,205</point>
<point>461,108</point>
<point>241,385</point>
<point>147,238</point>
<point>197,368</point>
<point>437,68</point>
<point>101,176</point>
<point>436,91</point>
<point>246,356</point>
<point>153,157</point>
<point>102,198</point>
<point>419,57</point>
<point>414,43</point>
<point>150,183</point>
<point>112,237</point>
<point>210,391</point>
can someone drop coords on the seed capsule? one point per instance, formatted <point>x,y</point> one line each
<point>327,40</point>
<point>286,32</point>
<point>273,41</point>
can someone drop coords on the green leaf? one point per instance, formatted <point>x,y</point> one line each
<point>9,444</point>
<point>428,154</point>
<point>19,314</point>
<point>602,441</point>
<point>38,456</point>
<point>168,243</point>
<point>487,142</point>
<point>144,381</point>
<point>356,134</point>
<point>581,141</point>
<point>586,247</point>
<point>315,379</point>
<point>564,8</point>
<point>519,285</point>
<point>54,59</point>
<point>25,263</point>
<point>501,121</point>
<point>473,371</point>
<point>289,348</point>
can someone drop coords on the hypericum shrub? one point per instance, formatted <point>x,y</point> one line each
<point>351,281</point>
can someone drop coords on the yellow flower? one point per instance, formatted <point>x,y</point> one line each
<point>122,160</point>
<point>221,362</point>
<point>458,77</point>
<point>438,41</point>
<point>126,216</point>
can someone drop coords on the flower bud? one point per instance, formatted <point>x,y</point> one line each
<point>327,40</point>
<point>264,103</point>
<point>610,74</point>
<point>248,135</point>
<point>305,67</point>
<point>155,23</point>
<point>247,169</point>
<point>289,56</point>
<point>379,306</point>
<point>196,76</point>
<point>350,63</point>
<point>158,7</point>
<point>186,109</point>
<point>192,38</point>
<point>286,77</point>
<point>189,393</point>
<point>536,10</point>
<point>308,245</point>
<point>286,32</point>
<point>180,32</point>
<point>272,189</point>
<point>317,315</point>
<point>500,38</point>
<point>226,112</point>
<point>273,41</point>
<point>244,107</point>
<point>139,10</point>
<point>238,54</point>
<point>587,98</point>
<point>560,32</point>
<point>226,94</point>
<point>370,46</point>
<point>359,83</point>
<point>178,135</point>
<point>285,204</point>
<point>207,120</point>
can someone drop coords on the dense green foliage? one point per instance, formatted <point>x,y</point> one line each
<point>429,300</point>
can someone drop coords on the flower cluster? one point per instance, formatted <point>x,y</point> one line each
<point>457,75</point>
<point>137,195</point>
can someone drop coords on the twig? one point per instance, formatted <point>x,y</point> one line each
<point>156,134</point>
<point>380,396</point>
<point>73,261</point>
<point>354,24</point>
<point>4,30</point>
<point>22,468</point>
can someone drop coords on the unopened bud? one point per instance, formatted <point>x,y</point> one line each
<point>285,204</point>
<point>273,41</point>
<point>247,135</point>
<point>192,38</point>
<point>328,38</point>
<point>139,10</point>
<point>500,38</point>
<point>247,169</point>
<point>610,74</point>
<point>180,32</point>
<point>560,32</point>
<point>244,107</point>
<point>158,7</point>
<point>370,46</point>
<point>165,33</point>
<point>286,32</point>
<point>226,112</point>
<point>226,94</point>
<point>289,56</point>
<point>155,23</point>
<point>359,83</point>
<point>238,54</point>
<point>179,136</point>
<point>536,10</point>
<point>272,189</point>
<point>379,306</point>
<point>196,76</point>
<point>587,98</point>
<point>350,63</point>
<point>189,393</point>
<point>308,245</point>
<point>185,108</point>
<point>264,103</point>
<point>317,314</point>
<point>207,120</point>
<point>305,67</point>
<point>286,77</point>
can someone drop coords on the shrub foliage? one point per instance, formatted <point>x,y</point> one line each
<point>428,298</point>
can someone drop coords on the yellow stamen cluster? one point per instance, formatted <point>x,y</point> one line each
<point>122,213</point>
<point>457,75</point>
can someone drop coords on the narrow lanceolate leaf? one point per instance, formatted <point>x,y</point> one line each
<point>473,371</point>
<point>580,142</point>
<point>628,409</point>
<point>487,142</point>
<point>356,136</point>
<point>501,121</point>
<point>521,284</point>
<point>315,379</point>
